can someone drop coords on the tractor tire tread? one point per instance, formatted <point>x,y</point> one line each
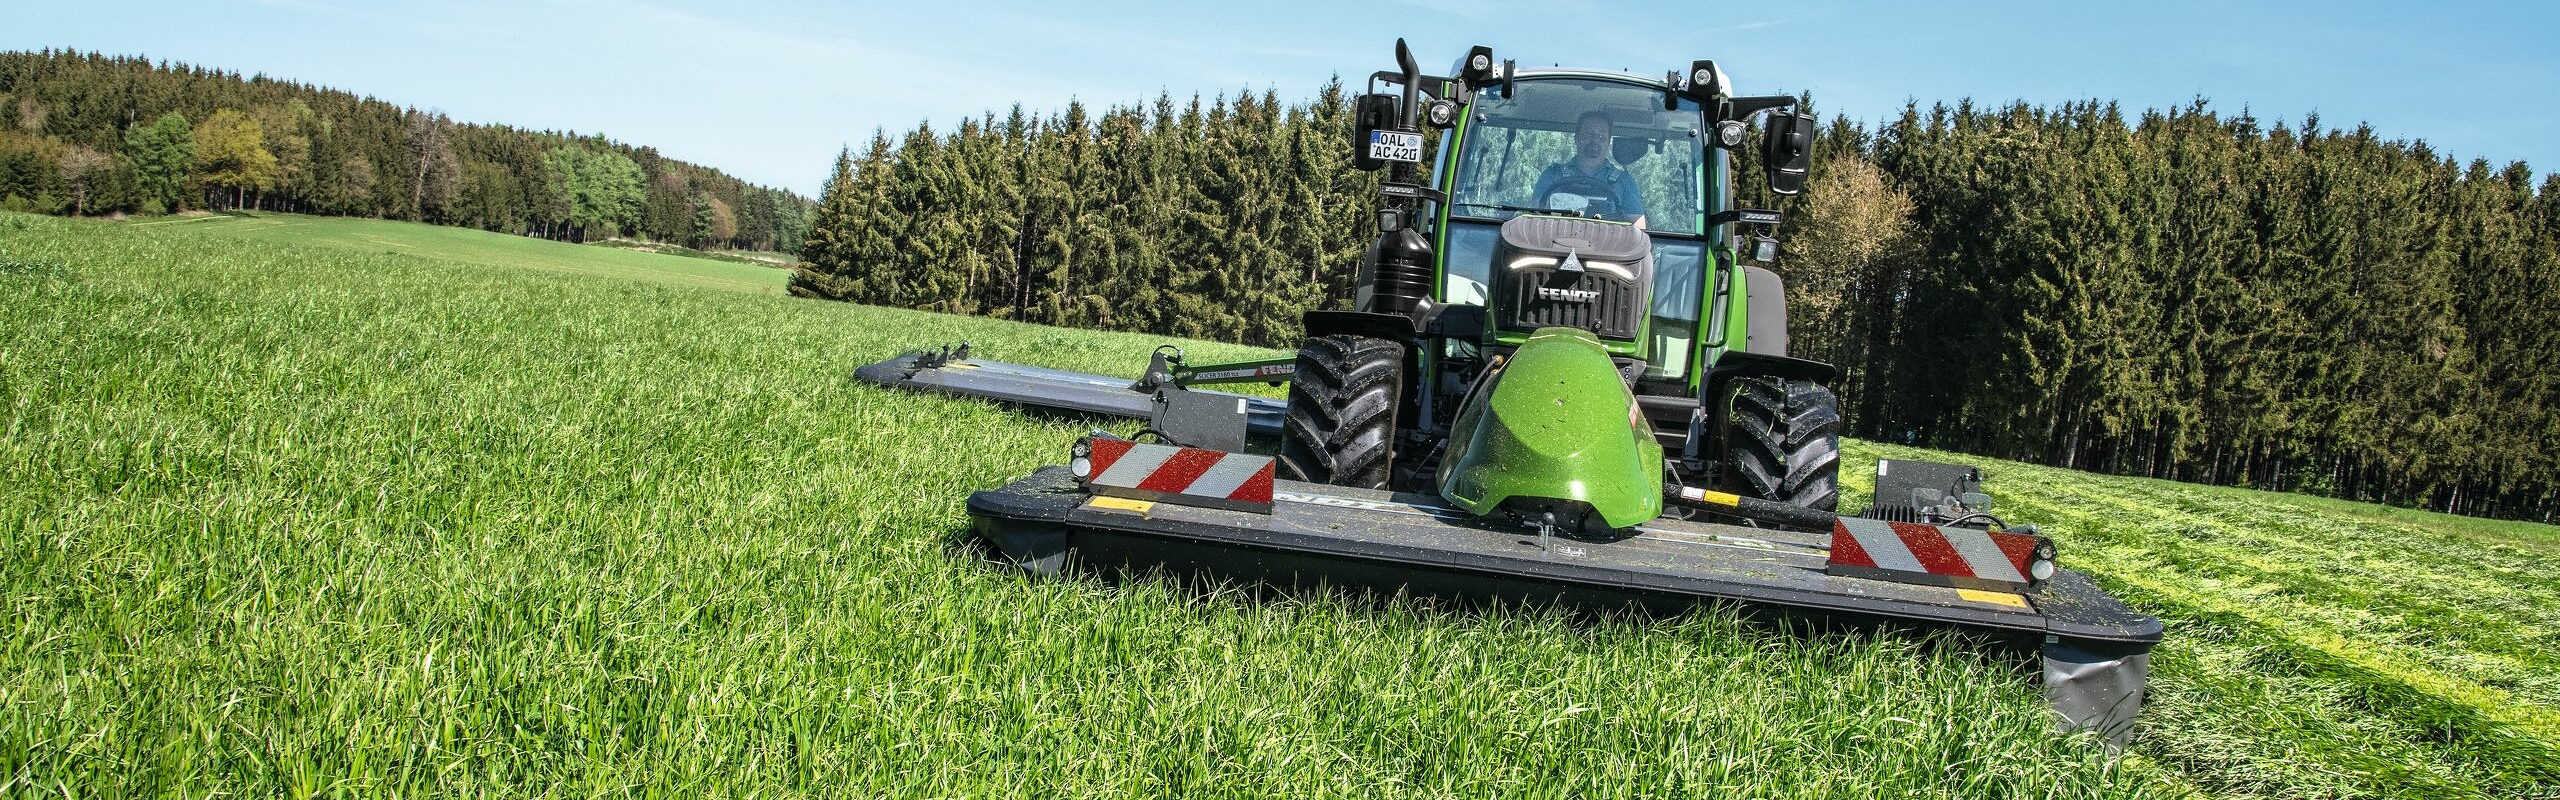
<point>1783,441</point>
<point>1340,428</point>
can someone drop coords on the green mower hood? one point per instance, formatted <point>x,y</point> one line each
<point>1555,422</point>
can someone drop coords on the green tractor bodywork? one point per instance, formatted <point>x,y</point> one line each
<point>1568,295</point>
<point>1541,433</point>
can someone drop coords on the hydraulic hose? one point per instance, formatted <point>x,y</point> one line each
<point>1751,508</point>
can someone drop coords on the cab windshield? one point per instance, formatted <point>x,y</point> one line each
<point>1587,147</point>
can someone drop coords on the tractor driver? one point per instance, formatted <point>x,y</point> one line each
<point>1576,183</point>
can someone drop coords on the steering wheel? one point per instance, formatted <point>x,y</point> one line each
<point>1600,192</point>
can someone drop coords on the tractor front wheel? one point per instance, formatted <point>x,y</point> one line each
<point>1341,427</point>
<point>1782,441</point>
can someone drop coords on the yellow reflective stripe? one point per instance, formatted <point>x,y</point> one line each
<point>1121,503</point>
<point>1994,598</point>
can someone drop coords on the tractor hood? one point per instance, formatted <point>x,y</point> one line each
<point>1572,273</point>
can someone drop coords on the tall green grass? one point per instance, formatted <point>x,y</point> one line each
<point>357,508</point>
<point>290,517</point>
<point>2400,653</point>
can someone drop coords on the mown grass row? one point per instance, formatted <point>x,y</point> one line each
<point>310,514</point>
<point>2313,654</point>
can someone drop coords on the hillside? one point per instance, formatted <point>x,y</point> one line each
<point>298,506</point>
<point>89,134</point>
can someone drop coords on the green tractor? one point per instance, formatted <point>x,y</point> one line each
<point>1568,330</point>
<point>1571,297</point>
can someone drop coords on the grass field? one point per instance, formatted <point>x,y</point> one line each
<point>304,507</point>
<point>478,252</point>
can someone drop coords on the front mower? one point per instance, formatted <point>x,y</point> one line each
<point>1563,378</point>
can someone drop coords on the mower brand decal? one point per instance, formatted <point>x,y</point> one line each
<point>1182,475</point>
<point>1339,502</point>
<point>1407,509</point>
<point>1248,372</point>
<point>1958,556</point>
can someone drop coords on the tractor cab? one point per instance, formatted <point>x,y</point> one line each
<point>1567,163</point>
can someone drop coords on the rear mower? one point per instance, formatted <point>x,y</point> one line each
<point>1564,378</point>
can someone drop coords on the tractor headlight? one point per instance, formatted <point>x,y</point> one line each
<point>1620,271</point>
<point>1729,133</point>
<point>1442,113</point>
<point>1756,249</point>
<point>1706,82</point>
<point>1479,65</point>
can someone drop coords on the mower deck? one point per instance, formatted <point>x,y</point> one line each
<point>2096,651</point>
<point>1343,536</point>
<point>1048,388</point>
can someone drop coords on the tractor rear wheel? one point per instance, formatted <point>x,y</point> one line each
<point>1341,426</point>
<point>1782,441</point>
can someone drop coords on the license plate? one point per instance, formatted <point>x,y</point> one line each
<point>1395,146</point>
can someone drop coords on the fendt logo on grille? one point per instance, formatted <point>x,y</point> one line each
<point>1569,295</point>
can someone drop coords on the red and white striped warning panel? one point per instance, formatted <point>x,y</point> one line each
<point>1181,475</point>
<point>1961,557</point>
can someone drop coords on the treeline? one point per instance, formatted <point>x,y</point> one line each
<point>2194,296</point>
<point>91,134</point>
<point>1225,220</point>
<point>2182,294</point>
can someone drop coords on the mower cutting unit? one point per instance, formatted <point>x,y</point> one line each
<point>1564,379</point>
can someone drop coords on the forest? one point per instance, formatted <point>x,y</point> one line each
<point>2180,293</point>
<point>90,134</point>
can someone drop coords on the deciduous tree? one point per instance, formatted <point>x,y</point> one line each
<point>433,171</point>
<point>80,167</point>
<point>231,154</point>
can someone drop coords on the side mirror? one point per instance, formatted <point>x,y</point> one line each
<point>1787,147</point>
<point>1370,113</point>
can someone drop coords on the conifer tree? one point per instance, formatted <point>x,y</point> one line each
<point>161,154</point>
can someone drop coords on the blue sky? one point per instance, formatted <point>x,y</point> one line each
<point>771,90</point>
